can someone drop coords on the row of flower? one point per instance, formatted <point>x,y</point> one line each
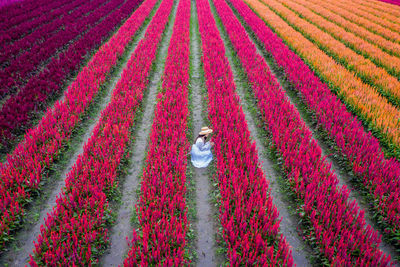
<point>378,5</point>
<point>21,14</point>
<point>375,39</point>
<point>162,210</point>
<point>372,52</point>
<point>53,24</point>
<point>358,148</point>
<point>381,117</point>
<point>8,2</point>
<point>324,206</point>
<point>361,21</point>
<point>249,219</point>
<point>28,63</point>
<point>393,2</point>
<point>17,112</point>
<point>372,14</point>
<point>76,231</point>
<point>23,171</point>
<point>377,77</point>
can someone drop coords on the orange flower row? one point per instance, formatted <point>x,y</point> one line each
<point>390,14</point>
<point>363,98</point>
<point>383,20</point>
<point>369,25</point>
<point>381,6</point>
<point>373,38</point>
<point>389,84</point>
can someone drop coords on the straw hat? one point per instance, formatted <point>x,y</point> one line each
<point>205,130</point>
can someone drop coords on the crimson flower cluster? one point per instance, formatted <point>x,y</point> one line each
<point>248,216</point>
<point>76,231</point>
<point>38,30</point>
<point>162,207</point>
<point>26,15</point>
<point>16,112</point>
<point>337,225</point>
<point>360,149</point>
<point>24,169</point>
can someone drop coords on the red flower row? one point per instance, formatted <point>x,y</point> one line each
<point>23,170</point>
<point>162,206</point>
<point>76,231</point>
<point>248,217</point>
<point>357,147</point>
<point>325,206</point>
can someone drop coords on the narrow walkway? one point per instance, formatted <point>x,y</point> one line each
<point>123,227</point>
<point>24,240</point>
<point>342,175</point>
<point>289,223</point>
<point>204,226</point>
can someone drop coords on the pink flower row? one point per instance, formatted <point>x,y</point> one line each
<point>162,206</point>
<point>24,168</point>
<point>54,24</point>
<point>360,149</point>
<point>17,112</point>
<point>325,206</point>
<point>248,216</point>
<point>26,64</point>
<point>8,2</point>
<point>79,221</point>
<point>21,14</point>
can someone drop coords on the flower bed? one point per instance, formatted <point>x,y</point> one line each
<point>76,231</point>
<point>22,172</point>
<point>162,210</point>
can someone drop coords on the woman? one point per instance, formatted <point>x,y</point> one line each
<point>201,150</point>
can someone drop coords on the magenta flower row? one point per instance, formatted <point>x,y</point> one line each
<point>22,14</point>
<point>26,65</point>
<point>79,221</point>
<point>248,216</point>
<point>359,148</point>
<point>18,33</point>
<point>326,207</point>
<point>16,112</point>
<point>8,2</point>
<point>24,169</point>
<point>162,210</point>
<point>55,24</point>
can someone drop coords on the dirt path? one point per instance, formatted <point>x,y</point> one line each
<point>204,226</point>
<point>23,245</point>
<point>123,227</point>
<point>289,221</point>
<point>342,175</point>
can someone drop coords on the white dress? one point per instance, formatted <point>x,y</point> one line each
<point>201,153</point>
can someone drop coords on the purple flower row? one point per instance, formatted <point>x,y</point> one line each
<point>16,114</point>
<point>360,149</point>
<point>23,14</point>
<point>53,25</point>
<point>26,65</point>
<point>249,219</point>
<point>24,169</point>
<point>162,210</point>
<point>8,2</point>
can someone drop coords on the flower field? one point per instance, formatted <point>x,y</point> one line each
<point>97,113</point>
